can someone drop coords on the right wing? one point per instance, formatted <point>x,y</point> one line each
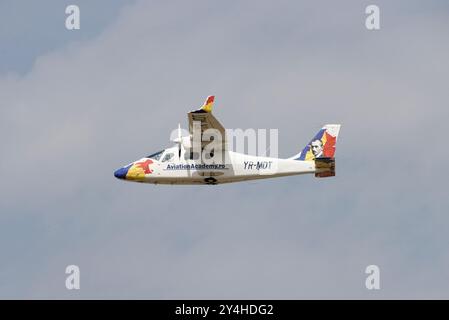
<point>207,121</point>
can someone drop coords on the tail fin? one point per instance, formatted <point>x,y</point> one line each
<point>322,149</point>
<point>322,145</point>
<point>208,104</point>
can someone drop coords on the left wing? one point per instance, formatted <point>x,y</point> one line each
<point>207,121</point>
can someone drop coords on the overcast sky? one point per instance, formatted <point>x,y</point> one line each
<point>76,105</point>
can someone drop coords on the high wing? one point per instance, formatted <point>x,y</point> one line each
<point>207,121</point>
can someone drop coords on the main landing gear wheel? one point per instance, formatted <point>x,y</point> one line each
<point>210,181</point>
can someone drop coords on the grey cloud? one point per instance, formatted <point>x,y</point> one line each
<point>89,107</point>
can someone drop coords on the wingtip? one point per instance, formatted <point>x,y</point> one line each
<point>210,99</point>
<point>207,106</point>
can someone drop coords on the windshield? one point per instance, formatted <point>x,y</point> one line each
<point>156,156</point>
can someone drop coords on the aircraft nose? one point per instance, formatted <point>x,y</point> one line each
<point>121,173</point>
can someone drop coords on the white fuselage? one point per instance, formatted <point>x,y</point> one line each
<point>237,167</point>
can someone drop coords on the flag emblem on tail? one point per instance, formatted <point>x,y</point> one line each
<point>322,145</point>
<point>208,104</point>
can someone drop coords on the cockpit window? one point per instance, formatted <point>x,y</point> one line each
<point>167,157</point>
<point>156,156</point>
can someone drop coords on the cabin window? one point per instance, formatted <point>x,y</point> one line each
<point>167,157</point>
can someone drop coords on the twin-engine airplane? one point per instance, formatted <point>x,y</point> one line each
<point>180,164</point>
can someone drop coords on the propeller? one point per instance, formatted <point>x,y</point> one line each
<point>179,140</point>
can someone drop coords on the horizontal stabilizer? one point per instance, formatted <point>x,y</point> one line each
<point>325,167</point>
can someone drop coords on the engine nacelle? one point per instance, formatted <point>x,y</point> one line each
<point>186,142</point>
